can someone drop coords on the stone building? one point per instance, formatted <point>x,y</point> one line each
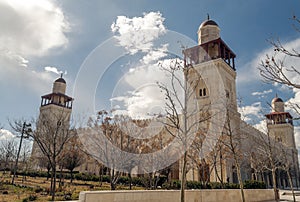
<point>214,59</point>
<point>53,123</point>
<point>215,62</point>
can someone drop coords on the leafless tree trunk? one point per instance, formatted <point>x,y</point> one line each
<point>52,133</point>
<point>72,156</point>
<point>268,153</point>
<point>182,119</point>
<point>231,140</point>
<point>106,127</point>
<point>274,68</point>
<point>8,151</point>
<point>287,164</point>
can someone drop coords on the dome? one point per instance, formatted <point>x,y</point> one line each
<point>208,22</point>
<point>277,99</point>
<point>277,104</point>
<point>60,80</point>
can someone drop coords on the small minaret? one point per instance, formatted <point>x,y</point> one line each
<point>280,123</point>
<point>55,109</point>
<point>58,96</point>
<point>280,127</point>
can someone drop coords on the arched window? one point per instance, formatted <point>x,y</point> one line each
<point>200,92</point>
<point>204,92</point>
<point>227,93</point>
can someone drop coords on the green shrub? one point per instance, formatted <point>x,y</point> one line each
<point>106,178</point>
<point>38,190</point>
<point>30,198</point>
<point>79,176</point>
<point>94,178</point>
<point>137,181</point>
<point>174,184</point>
<point>231,186</point>
<point>215,185</point>
<point>253,184</point>
<point>162,180</point>
<point>193,185</point>
<point>123,180</point>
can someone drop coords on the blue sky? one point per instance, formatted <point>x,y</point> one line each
<point>62,34</point>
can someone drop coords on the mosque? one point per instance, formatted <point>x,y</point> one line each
<point>212,54</point>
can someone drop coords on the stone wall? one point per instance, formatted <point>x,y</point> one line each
<point>224,195</point>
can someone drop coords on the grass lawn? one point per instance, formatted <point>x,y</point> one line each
<point>36,188</point>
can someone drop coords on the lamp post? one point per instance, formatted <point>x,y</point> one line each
<point>25,130</point>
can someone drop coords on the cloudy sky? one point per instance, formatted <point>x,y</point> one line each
<point>109,50</point>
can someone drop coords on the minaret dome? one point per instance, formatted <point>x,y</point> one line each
<point>277,104</point>
<point>59,86</point>
<point>208,31</point>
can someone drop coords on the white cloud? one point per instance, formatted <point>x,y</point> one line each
<point>262,126</point>
<point>6,134</point>
<point>31,27</point>
<point>295,100</point>
<point>53,69</point>
<point>142,103</point>
<point>250,72</point>
<point>155,55</point>
<point>297,136</point>
<point>145,98</point>
<point>17,74</point>
<point>138,33</point>
<point>262,93</point>
<point>251,112</point>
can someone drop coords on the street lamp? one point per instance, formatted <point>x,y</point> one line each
<point>25,130</point>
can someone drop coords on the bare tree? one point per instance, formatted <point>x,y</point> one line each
<point>8,150</point>
<point>72,156</point>
<point>43,162</point>
<point>274,68</point>
<point>25,158</point>
<point>51,134</point>
<point>266,153</point>
<point>22,128</point>
<point>231,140</point>
<point>287,164</point>
<point>205,166</point>
<point>105,139</point>
<point>182,115</point>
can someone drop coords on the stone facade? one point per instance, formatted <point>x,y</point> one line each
<point>215,62</point>
<point>54,120</point>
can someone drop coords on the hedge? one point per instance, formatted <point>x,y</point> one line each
<point>140,181</point>
<point>248,184</point>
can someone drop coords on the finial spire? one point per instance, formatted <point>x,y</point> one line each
<point>207,16</point>
<point>61,74</point>
<point>276,95</point>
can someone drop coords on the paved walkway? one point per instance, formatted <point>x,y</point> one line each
<point>286,195</point>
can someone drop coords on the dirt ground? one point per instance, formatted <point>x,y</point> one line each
<point>37,188</point>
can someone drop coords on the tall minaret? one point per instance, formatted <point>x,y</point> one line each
<point>212,65</point>
<point>212,53</point>
<point>55,111</point>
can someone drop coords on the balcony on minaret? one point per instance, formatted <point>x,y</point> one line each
<point>58,99</point>
<point>275,118</point>
<point>209,51</point>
